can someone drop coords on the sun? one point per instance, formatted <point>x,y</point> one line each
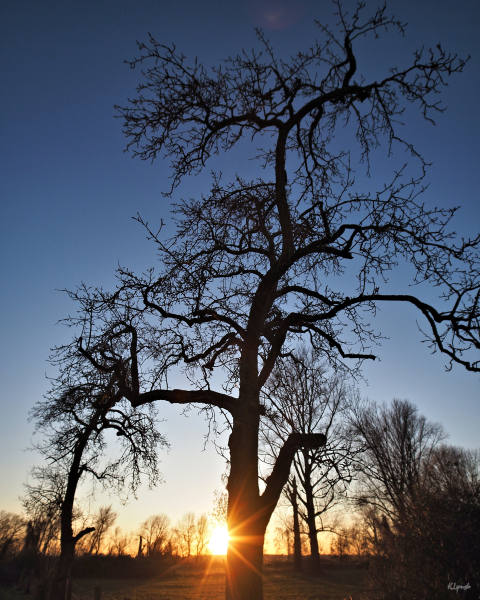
<point>218,540</point>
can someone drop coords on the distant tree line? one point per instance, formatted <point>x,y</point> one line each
<point>156,536</point>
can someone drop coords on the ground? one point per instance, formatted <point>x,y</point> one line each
<point>338,580</point>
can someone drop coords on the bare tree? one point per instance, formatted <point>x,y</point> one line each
<point>83,403</point>
<point>443,524</point>
<point>156,534</point>
<point>42,506</point>
<point>284,535</point>
<point>220,506</point>
<point>191,535</point>
<point>451,469</point>
<point>304,397</point>
<point>258,264</point>
<point>398,441</point>
<point>201,535</point>
<point>185,534</point>
<point>12,527</point>
<point>103,522</point>
<point>119,543</point>
<point>421,505</point>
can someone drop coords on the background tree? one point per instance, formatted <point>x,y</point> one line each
<point>119,543</point>
<point>291,492</point>
<point>84,402</point>
<point>421,503</point>
<point>302,252</point>
<point>351,540</point>
<point>202,531</point>
<point>304,397</point>
<point>398,441</point>
<point>12,528</point>
<point>446,519</point>
<point>41,504</point>
<point>156,535</point>
<point>103,522</point>
<point>220,507</point>
<point>185,531</point>
<point>284,535</point>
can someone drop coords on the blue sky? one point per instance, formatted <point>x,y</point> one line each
<point>68,192</point>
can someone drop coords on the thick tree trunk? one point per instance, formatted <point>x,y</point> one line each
<point>248,512</point>
<point>60,587</point>
<point>60,584</point>
<point>244,577</point>
<point>246,519</point>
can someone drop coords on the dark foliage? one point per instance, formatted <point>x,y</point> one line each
<point>423,504</point>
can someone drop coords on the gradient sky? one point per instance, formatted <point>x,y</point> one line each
<point>68,192</point>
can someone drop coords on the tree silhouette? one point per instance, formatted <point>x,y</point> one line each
<point>304,397</point>
<point>83,403</point>
<point>11,530</point>
<point>156,534</point>
<point>421,501</point>
<point>259,264</point>
<point>396,441</point>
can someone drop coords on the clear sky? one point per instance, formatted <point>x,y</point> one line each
<point>68,192</point>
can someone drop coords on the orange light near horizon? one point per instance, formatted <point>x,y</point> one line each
<point>218,543</point>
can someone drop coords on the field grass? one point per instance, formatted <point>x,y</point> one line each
<point>11,594</point>
<point>337,580</point>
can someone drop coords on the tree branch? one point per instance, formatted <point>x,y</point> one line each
<point>177,396</point>
<point>83,533</point>
<point>281,470</point>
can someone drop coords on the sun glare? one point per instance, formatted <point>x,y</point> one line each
<point>218,540</point>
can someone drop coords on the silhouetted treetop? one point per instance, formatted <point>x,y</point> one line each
<point>188,112</point>
<point>298,235</point>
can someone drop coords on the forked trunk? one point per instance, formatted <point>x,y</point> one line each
<point>248,512</point>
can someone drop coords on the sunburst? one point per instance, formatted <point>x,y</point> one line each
<point>218,543</point>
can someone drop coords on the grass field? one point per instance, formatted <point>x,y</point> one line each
<point>338,580</point>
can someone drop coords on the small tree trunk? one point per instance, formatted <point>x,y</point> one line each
<point>297,543</point>
<point>312,536</point>
<point>311,524</point>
